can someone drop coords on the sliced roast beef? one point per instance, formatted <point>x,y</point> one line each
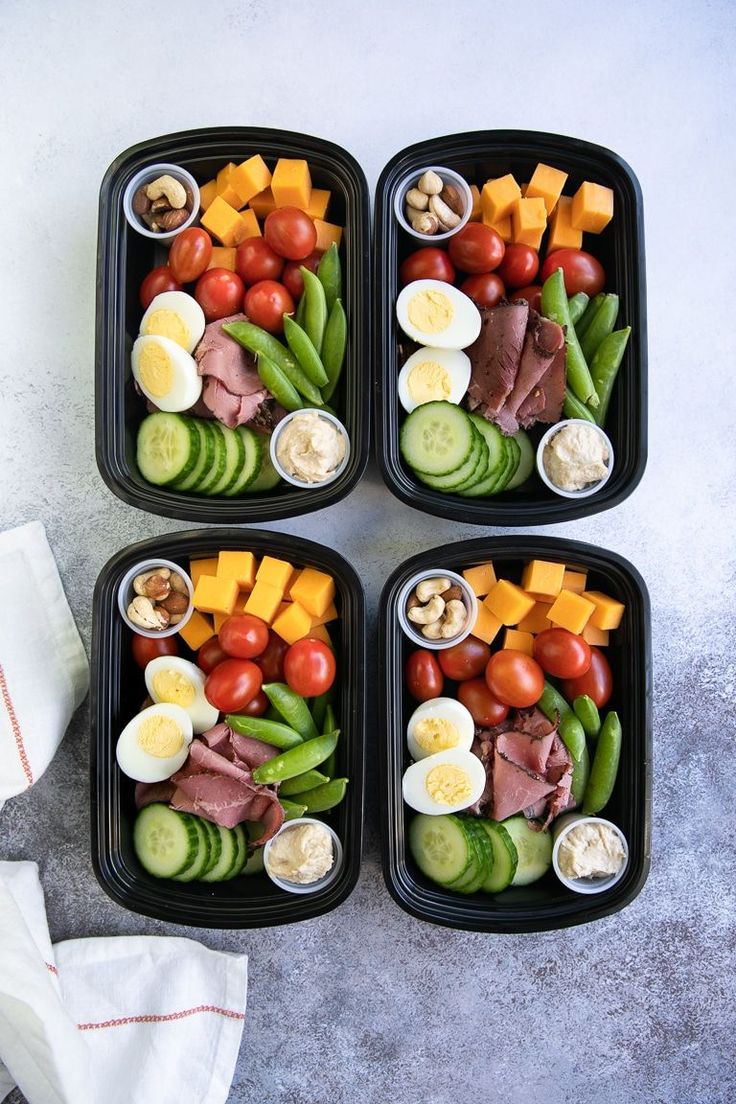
<point>271,819</point>
<point>250,751</point>
<point>559,771</point>
<point>216,797</point>
<point>559,760</point>
<point>146,793</point>
<point>218,738</point>
<point>544,402</point>
<point>533,812</point>
<point>229,408</point>
<point>495,356</point>
<point>515,788</point>
<point>526,751</point>
<point>211,760</point>
<point>543,340</point>
<point>534,723</point>
<point>218,355</point>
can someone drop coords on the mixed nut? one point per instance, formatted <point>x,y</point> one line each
<point>162,599</point>
<point>164,204</point>
<point>432,206</point>
<point>437,608</point>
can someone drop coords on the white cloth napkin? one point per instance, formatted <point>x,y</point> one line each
<point>154,1020</point>
<point>44,674</point>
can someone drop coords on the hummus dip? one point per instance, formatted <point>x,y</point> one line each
<point>302,854</point>
<point>591,851</point>
<point>576,457</point>
<point>310,448</point>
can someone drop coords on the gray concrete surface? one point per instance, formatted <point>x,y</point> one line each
<point>367,1004</point>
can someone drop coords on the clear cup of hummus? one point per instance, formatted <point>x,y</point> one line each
<point>575,458</point>
<point>304,856</point>
<point>590,854</point>
<point>310,448</point>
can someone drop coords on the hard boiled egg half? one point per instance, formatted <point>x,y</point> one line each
<point>444,783</point>
<point>179,682</point>
<point>155,744</point>
<point>176,316</point>
<point>165,373</point>
<point>433,375</point>
<point>435,313</point>
<point>438,725</point>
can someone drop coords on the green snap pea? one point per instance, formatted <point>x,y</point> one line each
<point>330,725</point>
<point>277,383</point>
<point>572,735</point>
<point>552,704</point>
<point>319,709</point>
<point>605,766</point>
<point>296,760</point>
<point>292,810</point>
<point>301,308</point>
<point>333,348</point>
<point>605,366</point>
<point>258,341</point>
<point>573,408</point>
<point>580,776</point>
<point>329,274</point>
<point>315,311</point>
<point>322,798</point>
<point>576,306</point>
<point>554,306</point>
<point>601,326</point>
<point>292,708</point>
<point>581,326</point>
<point>262,728</point>
<point>587,713</point>
<point>303,782</point>
<point>298,341</point>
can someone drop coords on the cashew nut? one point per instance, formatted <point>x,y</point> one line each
<point>417,198</point>
<point>425,615</point>
<point>430,183</point>
<point>454,620</point>
<point>425,223</point>
<point>448,219</point>
<point>429,587</point>
<point>170,188</point>
<point>433,631</point>
<point>143,613</point>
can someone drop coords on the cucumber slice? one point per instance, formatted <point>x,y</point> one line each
<point>234,457</point>
<point>267,477</point>
<point>167,449</point>
<point>228,855</point>
<point>505,857</point>
<point>204,460</point>
<point>533,848</point>
<point>215,845</point>
<point>201,860</point>
<point>241,856</point>
<point>526,463</point>
<point>214,475</point>
<point>166,842</point>
<point>481,471</point>
<point>479,871</point>
<point>494,440</point>
<point>251,466</point>
<point>461,475</point>
<point>440,847</point>
<point>513,456</point>
<point>436,438</point>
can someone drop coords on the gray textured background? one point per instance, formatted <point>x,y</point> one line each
<point>368,1004</point>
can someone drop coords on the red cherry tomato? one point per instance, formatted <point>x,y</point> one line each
<point>219,293</point>
<point>427,264</point>
<point>292,278</point>
<point>561,653</point>
<point>271,659</point>
<point>465,660</point>
<point>424,678</point>
<point>232,684</point>
<point>597,682</point>
<point>158,280</point>
<point>255,260</point>
<point>519,266</point>
<point>210,654</point>
<point>514,678</point>
<point>257,706</point>
<point>244,636</point>
<point>485,710</point>
<point>532,294</point>
<point>190,253</point>
<point>309,668</point>
<point>146,648</point>
<point>476,248</point>
<point>581,271</point>
<point>290,233</point>
<point>266,303</point>
<point>485,289</point>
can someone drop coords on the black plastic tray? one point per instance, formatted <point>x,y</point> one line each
<point>547,905</point>
<point>117,691</point>
<point>124,258</point>
<point>479,155</point>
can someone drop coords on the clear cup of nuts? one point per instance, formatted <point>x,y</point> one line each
<point>161,201</point>
<point>436,609</point>
<point>433,204</point>
<point>155,598</point>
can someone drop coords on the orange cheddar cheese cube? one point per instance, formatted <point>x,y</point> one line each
<point>293,623</point>
<point>330,614</point>
<point>207,193</point>
<point>498,197</point>
<point>503,228</point>
<point>315,590</point>
<point>248,227</point>
<point>240,566</point>
<point>202,567</point>
<point>277,573</point>
<point>529,221</point>
<point>291,183</point>
<point>486,625</point>
<point>607,613</point>
<point>263,203</point>
<point>570,611</point>
<point>250,178</point>
<point>597,637</point>
<point>592,207</point>
<point>477,212</point>
<point>547,184</point>
<point>294,576</point>
<point>536,621</point>
<point>480,579</point>
<point>223,256</point>
<point>220,618</point>
<point>319,632</point>
<point>562,233</point>
<point>223,222</point>
<point>226,188</point>
<point>264,601</point>
<point>213,595</point>
<point>519,641</point>
<point>541,578</point>
<point>197,630</point>
<point>319,201</point>
<point>576,581</point>
<point>508,602</point>
<point>327,233</point>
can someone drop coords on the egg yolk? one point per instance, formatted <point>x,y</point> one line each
<point>430,311</point>
<point>448,785</point>
<point>429,382</point>
<point>174,687</point>
<point>160,736</point>
<point>436,734</point>
<point>166,323</point>
<point>156,370</point>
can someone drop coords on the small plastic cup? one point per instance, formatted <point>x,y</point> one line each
<point>592,488</point>
<point>287,476</point>
<point>413,631</point>
<point>145,176</point>
<point>321,883</point>
<point>561,830</point>
<point>126,594</point>
<point>410,181</point>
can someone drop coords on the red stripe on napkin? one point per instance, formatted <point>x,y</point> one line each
<point>15,726</point>
<point>164,1019</point>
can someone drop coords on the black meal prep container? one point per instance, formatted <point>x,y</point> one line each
<point>478,156</point>
<point>547,904</point>
<point>123,259</point>
<point>117,690</point>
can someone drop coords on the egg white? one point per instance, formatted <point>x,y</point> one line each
<point>188,322</point>
<point>414,783</point>
<point>463,328</point>
<point>180,384</point>
<point>455,363</point>
<point>447,709</point>
<point>139,764</point>
<point>201,713</point>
